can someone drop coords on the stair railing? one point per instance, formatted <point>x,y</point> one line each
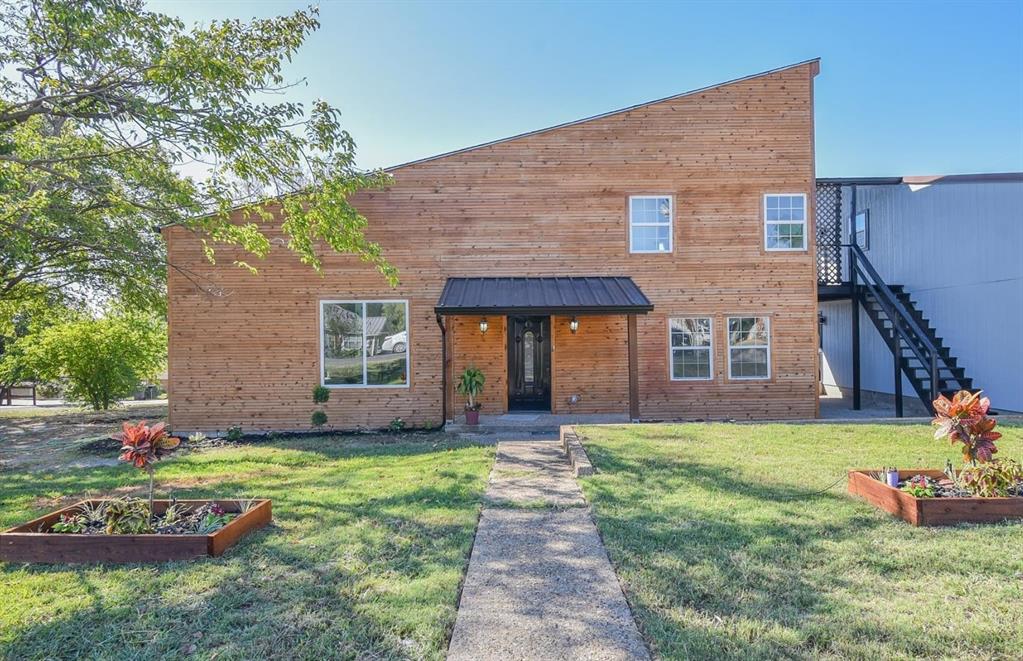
<point>903,322</point>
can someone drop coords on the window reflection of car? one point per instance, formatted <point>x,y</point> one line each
<point>395,343</point>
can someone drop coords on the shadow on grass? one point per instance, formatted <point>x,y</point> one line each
<point>363,560</point>
<point>718,563</point>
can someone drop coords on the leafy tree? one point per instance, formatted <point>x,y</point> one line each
<point>103,359</point>
<point>102,106</point>
<point>19,320</point>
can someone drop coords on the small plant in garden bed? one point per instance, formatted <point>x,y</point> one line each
<point>920,486</point>
<point>986,489</point>
<point>964,419</point>
<point>143,446</point>
<point>132,516</point>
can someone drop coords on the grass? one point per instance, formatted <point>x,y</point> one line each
<point>364,559</point>
<point>735,541</point>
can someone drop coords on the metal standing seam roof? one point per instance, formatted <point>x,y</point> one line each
<point>551,295</point>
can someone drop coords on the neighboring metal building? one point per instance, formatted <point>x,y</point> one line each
<point>955,245</point>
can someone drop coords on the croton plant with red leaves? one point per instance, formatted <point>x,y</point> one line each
<point>142,446</point>
<point>963,419</point>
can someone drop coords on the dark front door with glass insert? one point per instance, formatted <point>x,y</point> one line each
<point>529,363</point>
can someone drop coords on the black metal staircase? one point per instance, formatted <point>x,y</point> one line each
<point>917,350</point>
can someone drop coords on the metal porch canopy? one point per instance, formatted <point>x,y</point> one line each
<point>547,295</point>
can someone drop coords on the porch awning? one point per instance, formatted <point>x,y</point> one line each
<point>576,295</point>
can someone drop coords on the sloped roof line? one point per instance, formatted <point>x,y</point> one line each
<point>601,115</point>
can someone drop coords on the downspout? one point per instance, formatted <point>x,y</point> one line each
<point>443,371</point>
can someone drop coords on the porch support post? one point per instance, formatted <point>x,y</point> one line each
<point>633,369</point>
<point>443,370</point>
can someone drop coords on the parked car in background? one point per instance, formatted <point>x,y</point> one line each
<point>395,343</point>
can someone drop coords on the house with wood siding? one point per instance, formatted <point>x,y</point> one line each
<point>654,262</point>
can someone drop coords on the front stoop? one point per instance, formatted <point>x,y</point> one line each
<point>573,447</point>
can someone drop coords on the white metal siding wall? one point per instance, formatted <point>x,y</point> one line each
<point>958,249</point>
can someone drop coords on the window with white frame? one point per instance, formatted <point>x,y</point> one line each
<point>749,347</point>
<point>650,222</point>
<point>785,222</point>
<point>691,348</point>
<point>861,229</point>
<point>364,343</point>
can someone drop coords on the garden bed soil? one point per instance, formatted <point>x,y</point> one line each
<point>25,543</point>
<point>931,511</point>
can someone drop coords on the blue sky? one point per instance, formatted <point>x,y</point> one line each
<point>905,88</point>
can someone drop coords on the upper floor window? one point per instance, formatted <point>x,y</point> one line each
<point>749,348</point>
<point>861,229</point>
<point>650,221</point>
<point>364,343</point>
<point>785,222</point>
<point>691,341</point>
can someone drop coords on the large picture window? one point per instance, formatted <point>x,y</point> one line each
<point>785,222</point>
<point>364,343</point>
<point>749,347</point>
<point>691,349</point>
<point>650,218</point>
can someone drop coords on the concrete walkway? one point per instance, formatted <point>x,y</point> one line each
<point>539,584</point>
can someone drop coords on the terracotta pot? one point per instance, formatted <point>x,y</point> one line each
<point>472,417</point>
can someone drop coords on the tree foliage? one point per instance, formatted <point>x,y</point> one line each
<point>102,359</point>
<point>103,106</point>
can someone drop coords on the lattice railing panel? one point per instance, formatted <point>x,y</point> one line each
<point>829,234</point>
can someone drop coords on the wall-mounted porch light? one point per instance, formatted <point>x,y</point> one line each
<point>573,325</point>
<point>484,325</point>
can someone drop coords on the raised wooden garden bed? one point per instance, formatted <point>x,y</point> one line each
<point>932,511</point>
<point>30,542</point>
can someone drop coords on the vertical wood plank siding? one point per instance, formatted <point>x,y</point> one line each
<point>546,204</point>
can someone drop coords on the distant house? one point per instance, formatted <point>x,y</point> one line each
<point>653,262</point>
<point>950,250</point>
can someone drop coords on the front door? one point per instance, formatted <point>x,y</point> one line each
<point>529,363</point>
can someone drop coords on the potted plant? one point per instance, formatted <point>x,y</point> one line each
<point>471,385</point>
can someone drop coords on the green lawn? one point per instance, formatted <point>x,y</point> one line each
<point>725,551</point>
<point>364,559</point>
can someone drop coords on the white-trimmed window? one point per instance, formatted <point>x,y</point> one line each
<point>785,221</point>
<point>364,344</point>
<point>650,223</point>
<point>691,348</point>
<point>749,348</point>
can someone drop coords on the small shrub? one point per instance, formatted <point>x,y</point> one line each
<point>321,394</point>
<point>197,437</point>
<point>396,425</point>
<point>128,516</point>
<point>920,486</point>
<point>234,434</point>
<point>994,479</point>
<point>319,418</point>
<point>70,523</point>
<point>101,360</point>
